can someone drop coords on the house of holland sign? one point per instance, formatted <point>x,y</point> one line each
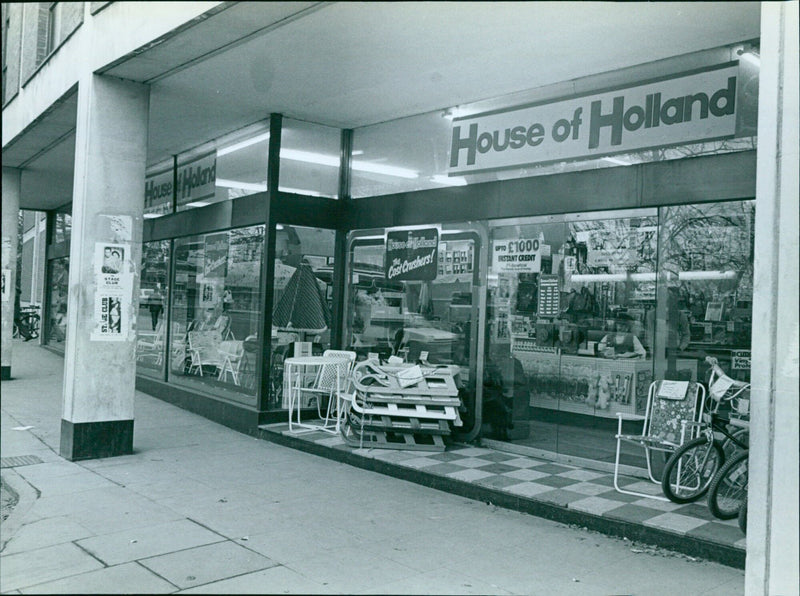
<point>685,109</point>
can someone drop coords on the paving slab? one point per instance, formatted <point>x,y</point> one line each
<point>206,564</point>
<point>108,580</point>
<point>277,580</point>
<point>29,568</point>
<point>148,541</point>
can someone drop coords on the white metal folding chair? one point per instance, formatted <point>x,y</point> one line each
<point>325,387</point>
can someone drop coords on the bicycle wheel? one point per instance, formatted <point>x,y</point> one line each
<point>690,470</point>
<point>31,322</point>
<point>729,488</point>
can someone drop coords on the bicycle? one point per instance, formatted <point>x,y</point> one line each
<point>728,491</point>
<point>26,324</point>
<point>691,469</point>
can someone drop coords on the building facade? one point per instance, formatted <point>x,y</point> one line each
<point>562,231</point>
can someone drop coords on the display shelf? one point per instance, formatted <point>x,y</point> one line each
<point>586,385</point>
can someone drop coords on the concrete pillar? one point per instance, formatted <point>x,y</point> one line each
<point>772,532</point>
<point>105,254</point>
<point>9,265</point>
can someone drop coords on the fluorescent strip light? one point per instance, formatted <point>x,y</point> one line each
<point>198,203</point>
<point>152,215</point>
<point>448,180</point>
<point>242,144</point>
<point>642,277</point>
<point>363,166</point>
<point>376,168</point>
<point>617,161</point>
<point>299,191</point>
<point>698,275</point>
<point>255,186</point>
<point>598,277</point>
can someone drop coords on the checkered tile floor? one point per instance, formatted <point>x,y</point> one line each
<point>583,490</point>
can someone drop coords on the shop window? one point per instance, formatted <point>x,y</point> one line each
<point>62,228</point>
<point>216,313</point>
<point>705,289</point>
<point>302,299</point>
<point>227,168</point>
<point>431,315</point>
<point>151,322</point>
<point>56,333</point>
<point>569,309</point>
<point>309,159</point>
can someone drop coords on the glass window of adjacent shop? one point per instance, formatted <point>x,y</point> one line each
<point>58,300</point>
<point>216,312</point>
<point>151,322</point>
<point>302,300</point>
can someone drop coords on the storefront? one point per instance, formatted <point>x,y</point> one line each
<point>562,247</point>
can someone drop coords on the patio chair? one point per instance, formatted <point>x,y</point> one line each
<point>151,345</point>
<point>232,353</point>
<point>204,350</point>
<point>672,417</point>
<point>324,385</point>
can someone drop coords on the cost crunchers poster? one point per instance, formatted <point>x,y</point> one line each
<point>412,254</point>
<point>114,291</point>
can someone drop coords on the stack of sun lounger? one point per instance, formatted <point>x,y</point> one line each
<point>401,407</point>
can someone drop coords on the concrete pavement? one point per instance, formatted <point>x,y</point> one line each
<point>200,508</point>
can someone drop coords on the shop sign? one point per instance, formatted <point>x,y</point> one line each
<point>519,255</point>
<point>158,193</point>
<point>740,359</point>
<point>684,109</point>
<point>412,254</point>
<point>215,255</point>
<point>197,179</point>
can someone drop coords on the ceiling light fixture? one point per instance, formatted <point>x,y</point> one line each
<point>321,158</point>
<point>449,180</point>
<point>242,144</point>
<point>254,186</point>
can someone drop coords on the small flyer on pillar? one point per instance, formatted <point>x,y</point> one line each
<point>113,295</point>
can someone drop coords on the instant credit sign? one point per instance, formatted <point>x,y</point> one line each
<point>412,255</point>
<point>522,255</point>
<point>686,109</point>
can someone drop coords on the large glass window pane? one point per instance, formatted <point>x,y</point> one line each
<point>226,168</point>
<point>705,290</point>
<point>435,318</point>
<point>570,302</point>
<point>309,159</point>
<point>302,298</point>
<point>151,320</point>
<point>216,312</point>
<point>58,299</point>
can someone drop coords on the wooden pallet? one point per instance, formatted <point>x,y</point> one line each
<point>371,439</point>
<point>389,423</point>
<point>407,410</point>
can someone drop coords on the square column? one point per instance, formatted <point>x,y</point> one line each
<point>105,258</point>
<point>9,265</point>
<point>773,525</point>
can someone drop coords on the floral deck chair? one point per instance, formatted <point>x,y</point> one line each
<point>672,416</point>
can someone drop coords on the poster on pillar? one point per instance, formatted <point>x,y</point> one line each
<point>6,282</point>
<point>114,291</point>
